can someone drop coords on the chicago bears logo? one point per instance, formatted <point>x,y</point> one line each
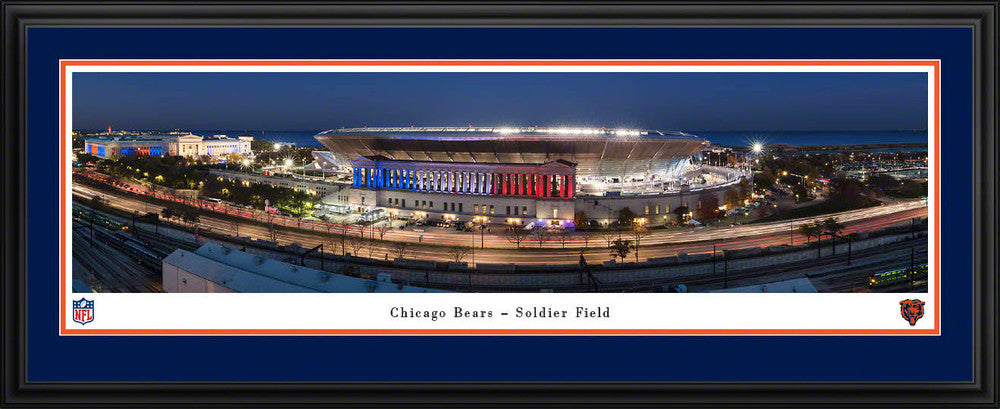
<point>912,310</point>
<point>83,311</point>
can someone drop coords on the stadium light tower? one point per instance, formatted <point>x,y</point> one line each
<point>756,147</point>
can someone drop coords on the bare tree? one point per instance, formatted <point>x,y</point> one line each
<point>372,245</point>
<point>516,235</point>
<point>610,236</point>
<point>562,235</point>
<point>586,235</point>
<point>342,230</point>
<point>272,231</point>
<point>458,252</point>
<point>540,233</point>
<point>355,243</point>
<point>401,248</point>
<point>638,233</point>
<point>383,229</point>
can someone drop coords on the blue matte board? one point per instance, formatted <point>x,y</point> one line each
<point>472,358</point>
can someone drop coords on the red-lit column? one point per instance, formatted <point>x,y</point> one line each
<point>570,187</point>
<point>546,186</point>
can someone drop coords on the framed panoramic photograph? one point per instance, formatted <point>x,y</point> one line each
<point>475,204</point>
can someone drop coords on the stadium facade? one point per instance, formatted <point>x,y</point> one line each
<point>518,175</point>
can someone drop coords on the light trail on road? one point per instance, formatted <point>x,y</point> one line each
<point>660,243</point>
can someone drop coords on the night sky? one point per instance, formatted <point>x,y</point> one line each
<point>669,101</point>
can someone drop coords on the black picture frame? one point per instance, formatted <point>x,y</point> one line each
<point>20,15</point>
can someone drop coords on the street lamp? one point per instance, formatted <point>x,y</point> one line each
<point>756,148</point>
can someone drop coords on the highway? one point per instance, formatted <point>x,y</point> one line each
<point>659,243</point>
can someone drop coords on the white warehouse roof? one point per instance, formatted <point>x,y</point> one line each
<point>248,273</point>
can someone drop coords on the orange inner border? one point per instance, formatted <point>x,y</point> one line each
<point>729,63</point>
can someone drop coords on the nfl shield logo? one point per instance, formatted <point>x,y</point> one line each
<point>83,310</point>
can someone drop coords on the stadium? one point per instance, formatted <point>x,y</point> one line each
<point>518,175</point>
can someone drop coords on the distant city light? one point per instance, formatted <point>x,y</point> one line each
<point>758,147</point>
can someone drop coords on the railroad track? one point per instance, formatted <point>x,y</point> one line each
<point>858,279</point>
<point>708,281</point>
<point>112,263</point>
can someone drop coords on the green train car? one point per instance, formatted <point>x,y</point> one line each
<point>895,276</point>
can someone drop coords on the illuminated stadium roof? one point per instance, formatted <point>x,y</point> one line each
<point>597,151</point>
